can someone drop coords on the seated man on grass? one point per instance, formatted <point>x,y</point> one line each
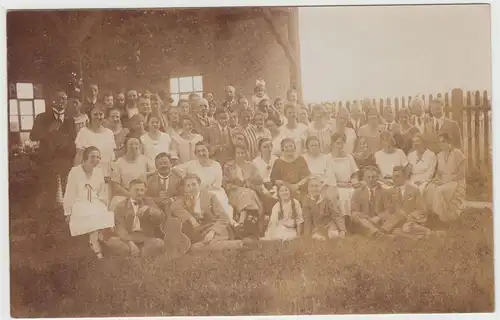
<point>162,186</point>
<point>399,208</point>
<point>137,220</point>
<point>322,216</point>
<point>203,218</point>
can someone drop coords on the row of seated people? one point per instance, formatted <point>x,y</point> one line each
<point>243,198</point>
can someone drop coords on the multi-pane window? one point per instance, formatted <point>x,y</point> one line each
<point>183,86</point>
<point>24,105</point>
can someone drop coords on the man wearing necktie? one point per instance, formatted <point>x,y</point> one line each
<point>419,118</point>
<point>163,185</point>
<point>203,218</point>
<point>219,138</point>
<point>438,124</point>
<point>368,204</point>
<point>55,131</point>
<point>137,220</point>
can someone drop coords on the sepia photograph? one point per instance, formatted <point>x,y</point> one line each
<point>246,161</point>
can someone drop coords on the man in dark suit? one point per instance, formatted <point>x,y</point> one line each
<point>55,131</point>
<point>367,203</point>
<point>200,120</point>
<point>163,185</point>
<point>439,124</point>
<point>230,103</point>
<point>137,220</point>
<point>203,218</point>
<point>219,138</point>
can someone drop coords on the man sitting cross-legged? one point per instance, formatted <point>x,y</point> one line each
<point>203,218</point>
<point>137,219</point>
<point>322,216</point>
<point>163,185</point>
<point>367,203</point>
<point>400,204</point>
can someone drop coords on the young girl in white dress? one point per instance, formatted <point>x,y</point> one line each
<point>85,200</point>
<point>286,220</point>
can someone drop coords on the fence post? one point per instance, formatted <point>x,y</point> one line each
<point>457,105</point>
<point>486,109</point>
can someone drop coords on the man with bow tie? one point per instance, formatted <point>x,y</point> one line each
<point>163,185</point>
<point>137,221</point>
<point>54,129</point>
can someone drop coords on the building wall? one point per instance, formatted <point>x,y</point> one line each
<point>186,49</point>
<point>250,53</point>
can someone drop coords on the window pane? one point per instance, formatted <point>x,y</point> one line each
<point>14,124</point>
<point>174,85</point>
<point>26,108</point>
<point>26,122</point>
<point>25,136</point>
<point>13,110</point>
<point>186,84</point>
<point>185,96</point>
<point>39,106</point>
<point>175,97</point>
<point>24,90</point>
<point>198,83</point>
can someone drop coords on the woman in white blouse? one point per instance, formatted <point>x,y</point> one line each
<point>154,141</point>
<point>98,136</point>
<point>184,142</point>
<point>423,163</point>
<point>293,129</point>
<point>265,161</point>
<point>210,173</point>
<point>85,200</point>
<point>343,167</point>
<point>389,157</point>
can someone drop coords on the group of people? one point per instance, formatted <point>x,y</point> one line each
<point>142,176</point>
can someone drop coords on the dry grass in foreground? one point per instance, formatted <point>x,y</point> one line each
<point>448,274</point>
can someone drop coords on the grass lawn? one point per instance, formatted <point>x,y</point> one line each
<point>453,273</point>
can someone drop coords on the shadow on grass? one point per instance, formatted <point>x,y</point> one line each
<point>357,275</point>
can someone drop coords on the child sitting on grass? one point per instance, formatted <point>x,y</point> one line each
<point>286,221</point>
<point>322,216</point>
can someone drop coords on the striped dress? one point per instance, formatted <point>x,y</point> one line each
<point>252,140</point>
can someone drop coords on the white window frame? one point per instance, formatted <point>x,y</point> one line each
<point>176,92</point>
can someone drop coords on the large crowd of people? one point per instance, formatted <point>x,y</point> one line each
<point>142,176</point>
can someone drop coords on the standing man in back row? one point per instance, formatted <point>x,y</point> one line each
<point>439,124</point>
<point>54,129</point>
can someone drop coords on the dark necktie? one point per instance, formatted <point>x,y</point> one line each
<point>388,127</point>
<point>372,202</point>
<point>437,125</point>
<point>163,182</point>
<point>419,121</point>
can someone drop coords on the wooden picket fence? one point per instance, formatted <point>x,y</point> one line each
<point>472,111</point>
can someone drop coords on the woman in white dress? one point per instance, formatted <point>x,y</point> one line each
<point>210,174</point>
<point>423,163</point>
<point>155,141</point>
<point>320,128</point>
<point>98,136</point>
<point>350,134</point>
<point>343,166</point>
<point>85,200</point>
<point>133,165</point>
<point>389,157</point>
<point>264,162</point>
<point>293,129</point>
<point>321,165</point>
<point>183,143</point>
<point>273,124</point>
<point>287,220</point>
